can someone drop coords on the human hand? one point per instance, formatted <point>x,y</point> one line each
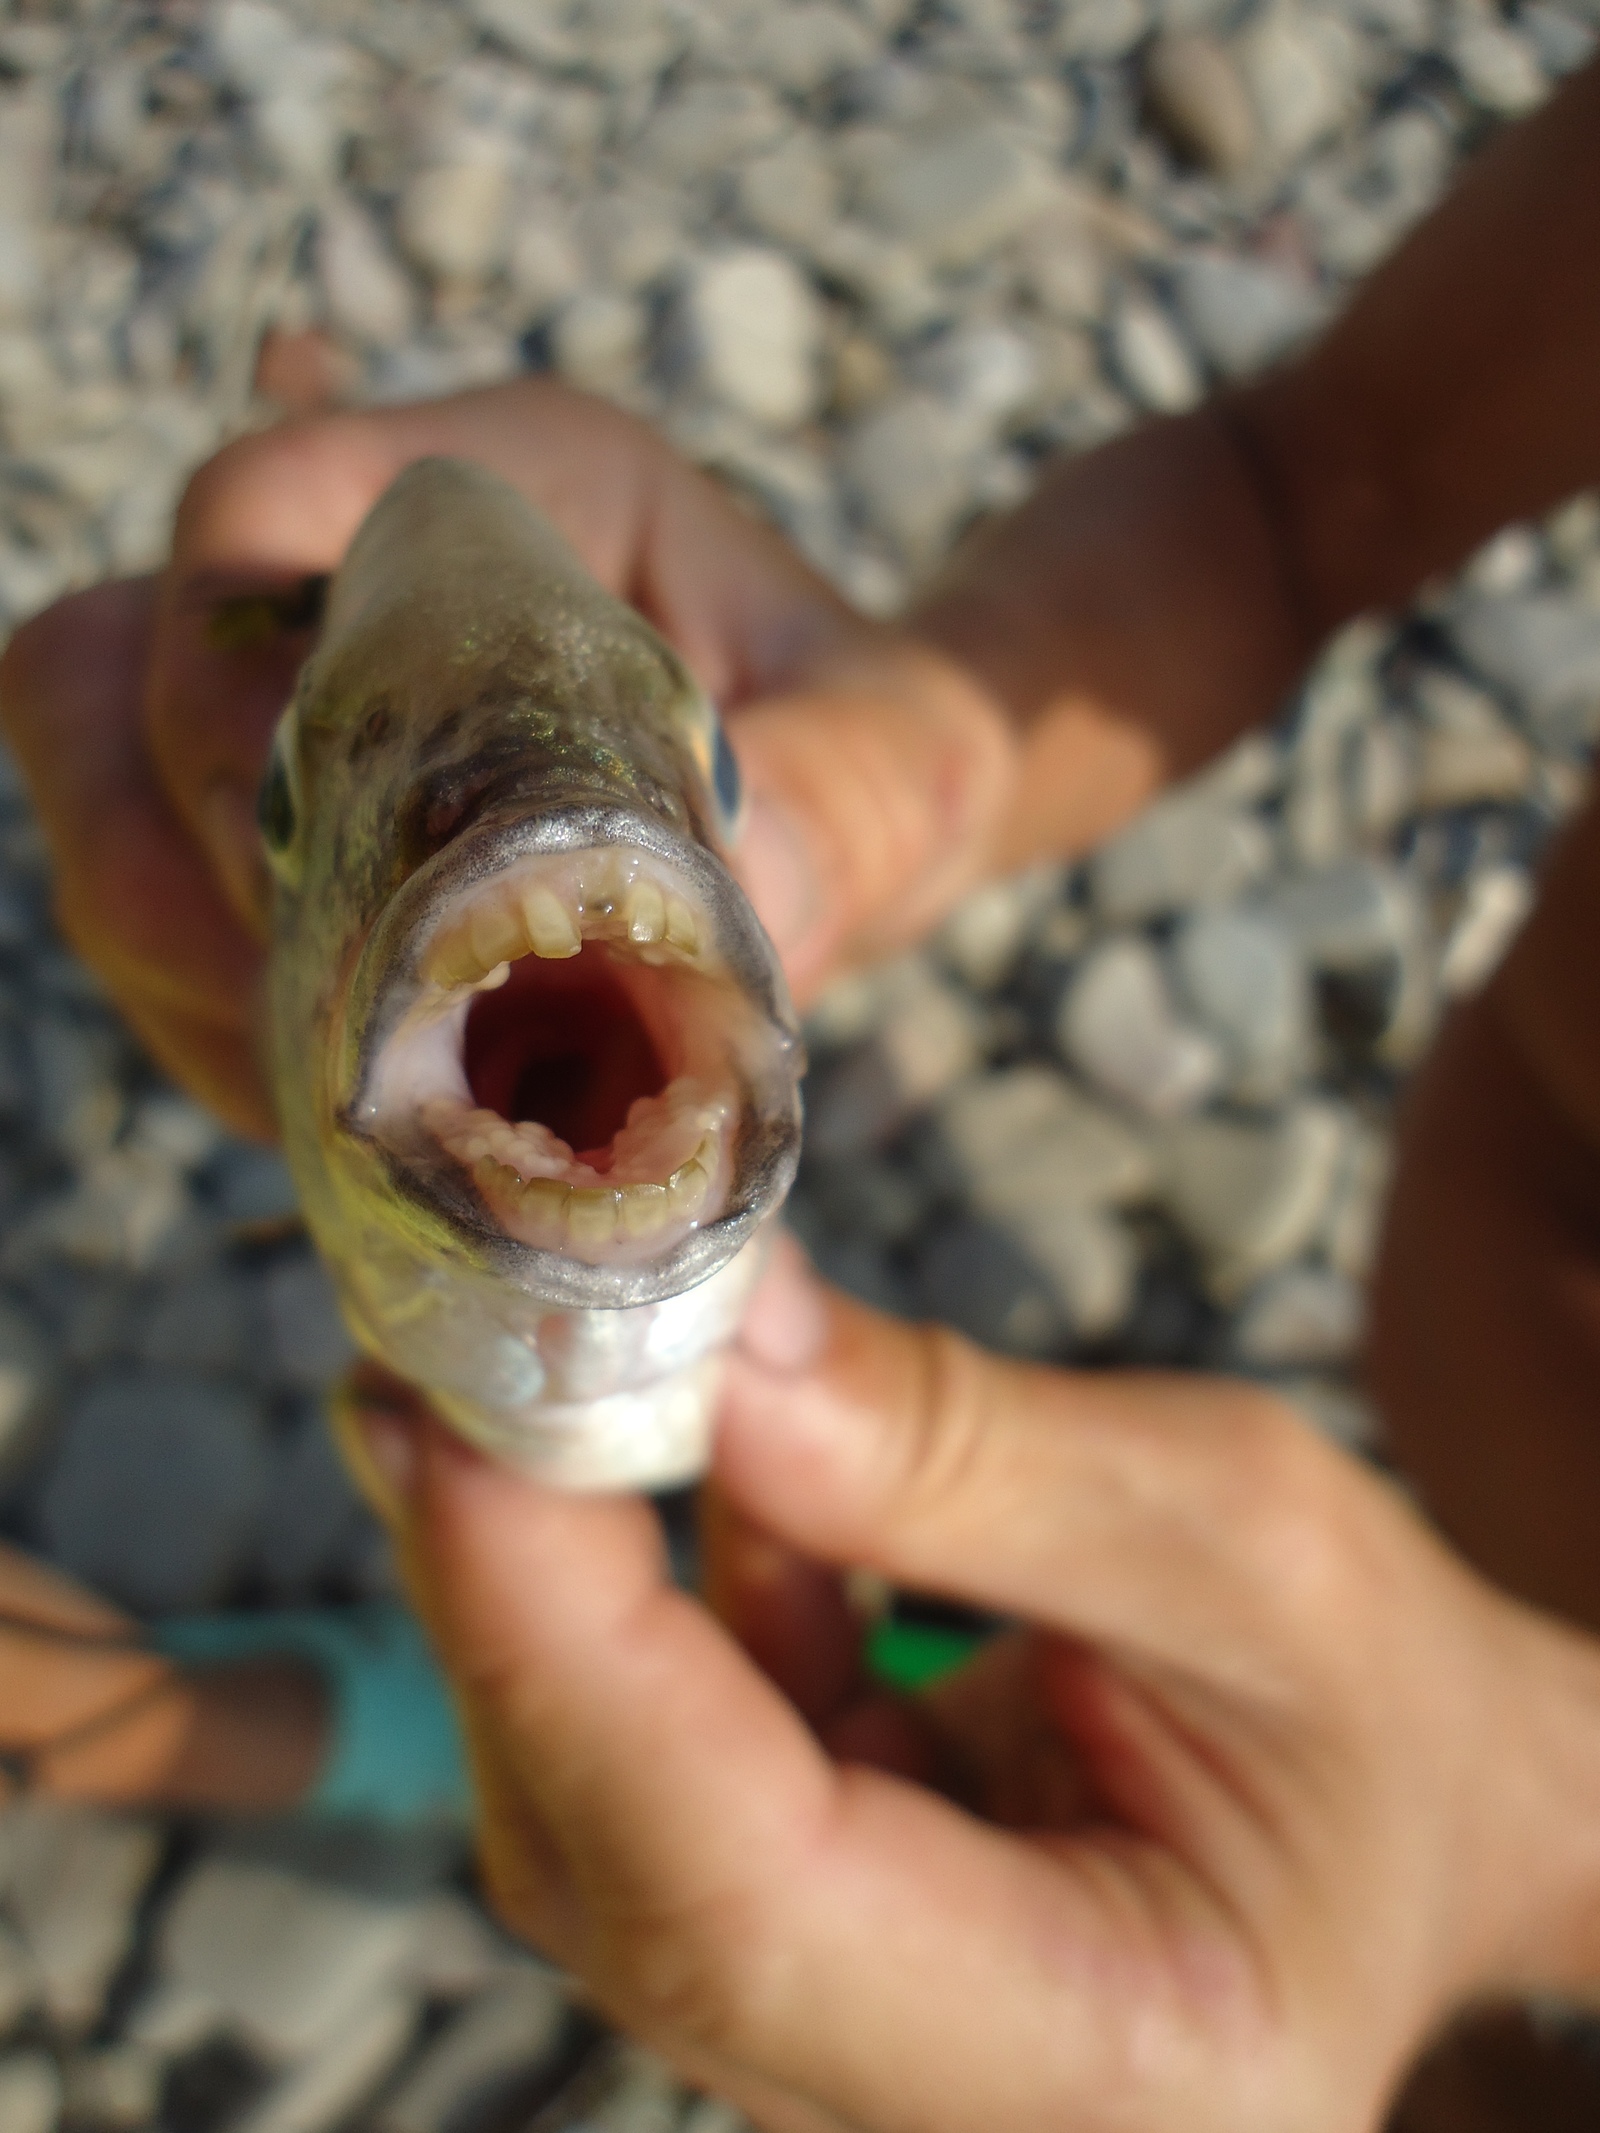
<point>1266,1785</point>
<point>88,1710</point>
<point>876,771</point>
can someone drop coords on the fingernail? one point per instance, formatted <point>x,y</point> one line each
<point>380,1449</point>
<point>786,1326</point>
<point>232,840</point>
<point>776,869</point>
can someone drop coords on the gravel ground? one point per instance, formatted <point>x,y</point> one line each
<point>874,263</point>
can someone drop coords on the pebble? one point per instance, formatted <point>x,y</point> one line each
<point>959,195</point>
<point>1301,1317</point>
<point>1198,98</point>
<point>1087,1258</point>
<point>75,1881</point>
<point>113,2086</point>
<point>310,1342</point>
<point>984,936</point>
<point>1543,649</point>
<point>1468,753</point>
<point>598,340</point>
<point>155,1488</point>
<point>1496,902</point>
<point>322,2091</point>
<point>1239,971</point>
<point>1300,64</point>
<point>1150,357</point>
<point>1118,1026</point>
<point>286,1963</point>
<point>908,464</point>
<point>928,1036</point>
<point>452,218</point>
<point>1250,1197</point>
<point>496,2043</point>
<point>1025,1138</point>
<point>1244,314</point>
<point>977,1277</point>
<point>30,2092</point>
<point>368,294</point>
<point>19,1979</point>
<point>754,332</point>
<point>1186,849</point>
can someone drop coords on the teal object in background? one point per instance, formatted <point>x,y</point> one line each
<point>394,1753</point>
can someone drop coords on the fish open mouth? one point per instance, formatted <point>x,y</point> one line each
<point>578,1046</point>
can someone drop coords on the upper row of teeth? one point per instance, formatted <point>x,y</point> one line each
<point>534,919</point>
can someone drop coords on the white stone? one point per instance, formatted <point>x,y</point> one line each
<point>1118,1026</point>
<point>805,43</point>
<point>984,935</point>
<point>289,1964</point>
<point>1244,313</point>
<point>1150,358</point>
<point>987,374</point>
<point>368,294</point>
<point>625,42</point>
<point>1497,901</point>
<point>1345,916</point>
<point>754,329</point>
<point>598,340</point>
<point>1300,65</point>
<point>1240,973</point>
<point>1024,1138</point>
<point>1500,69</point>
<point>1354,1222</point>
<point>76,1879</point>
<point>959,195</point>
<point>1251,1197</point>
<point>1198,98</point>
<point>927,1037</point>
<point>504,2034</point>
<point>1510,561</point>
<point>155,1488</point>
<point>1299,1318</point>
<point>1185,849</point>
<point>30,2092</point>
<point>452,217</point>
<point>321,2092</point>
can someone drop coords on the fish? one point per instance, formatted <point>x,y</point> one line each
<point>536,1066</point>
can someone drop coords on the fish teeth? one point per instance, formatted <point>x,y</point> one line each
<point>645,1209</point>
<point>645,911</point>
<point>495,934</point>
<point>683,931</point>
<point>552,931</point>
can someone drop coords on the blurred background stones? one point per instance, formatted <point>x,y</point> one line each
<point>873,261</point>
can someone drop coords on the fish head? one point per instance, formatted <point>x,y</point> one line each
<point>524,1018</point>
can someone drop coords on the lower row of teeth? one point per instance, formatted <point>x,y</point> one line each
<point>587,1215</point>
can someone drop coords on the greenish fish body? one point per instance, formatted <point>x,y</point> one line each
<point>535,1062</point>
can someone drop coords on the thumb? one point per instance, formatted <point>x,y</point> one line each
<point>877,792</point>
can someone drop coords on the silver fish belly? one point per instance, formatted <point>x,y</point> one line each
<point>535,1062</point>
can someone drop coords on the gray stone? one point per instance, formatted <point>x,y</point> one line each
<point>76,1879</point>
<point>323,2091</point>
<point>1346,916</point>
<point>253,1186</point>
<point>310,1342</point>
<point>1087,1259</point>
<point>1197,96</point>
<point>1301,1317</point>
<point>206,1322</point>
<point>19,1979</point>
<point>544,266</point>
<point>791,194</point>
<point>1501,70</point>
<point>1251,1197</point>
<point>312,1519</point>
<point>1186,849</point>
<point>1544,649</point>
<point>983,937</point>
<point>113,2086</point>
<point>1468,754</point>
<point>805,44</point>
<point>1244,314</point>
<point>1240,973</point>
<point>907,462</point>
<point>155,1489</point>
<point>927,1036</point>
<point>30,2092</point>
<point>1119,1027</point>
<point>753,329</point>
<point>980,1280</point>
<point>493,2044</point>
<point>959,194</point>
<point>1024,1139</point>
<point>286,1963</point>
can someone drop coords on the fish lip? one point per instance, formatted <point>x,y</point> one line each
<point>387,978</point>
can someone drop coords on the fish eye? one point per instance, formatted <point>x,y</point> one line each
<point>276,812</point>
<point>726,782</point>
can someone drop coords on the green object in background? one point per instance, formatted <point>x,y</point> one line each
<point>911,1655</point>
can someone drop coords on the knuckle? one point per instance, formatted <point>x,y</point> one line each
<point>697,1973</point>
<point>938,1455</point>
